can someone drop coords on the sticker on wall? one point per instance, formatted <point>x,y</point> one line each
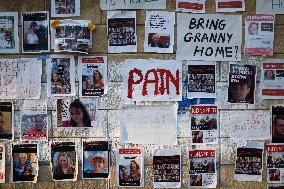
<point>269,7</point>
<point>167,168</point>
<point>230,5</point>
<point>65,8</point>
<point>119,4</point>
<point>2,163</point>
<point>92,71</point>
<point>242,82</point>
<point>24,163</point>
<point>9,39</point>
<point>202,168</point>
<point>277,123</point>
<point>159,31</point>
<point>259,31</point>
<point>274,162</point>
<point>130,167</point>
<point>6,121</point>
<point>95,159</point>
<point>121,28</point>
<point>192,6</point>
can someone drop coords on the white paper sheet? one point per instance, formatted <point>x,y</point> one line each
<point>65,8</point>
<point>230,5</point>
<point>269,7</point>
<point>122,4</point>
<point>193,6</point>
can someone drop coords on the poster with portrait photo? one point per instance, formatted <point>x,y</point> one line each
<point>277,123</point>
<point>63,161</point>
<point>92,71</point>
<point>259,34</point>
<point>167,168</point>
<point>95,159</point>
<point>71,36</point>
<point>34,125</point>
<point>6,121</point>
<point>192,6</point>
<point>121,31</point>
<point>35,32</point>
<point>159,31</point>
<point>61,76</point>
<point>2,163</point>
<point>201,79</point>
<point>9,39</point>
<point>230,5</point>
<point>204,125</point>
<point>24,162</point>
<point>202,168</point>
<point>65,8</point>
<point>242,82</point>
<point>275,163</point>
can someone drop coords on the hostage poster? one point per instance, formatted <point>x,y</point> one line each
<point>259,33</point>
<point>277,123</point>
<point>275,163</point>
<point>209,37</point>
<point>202,168</point>
<point>92,71</point>
<point>230,5</point>
<point>141,4</point>
<point>192,6</point>
<point>204,126</point>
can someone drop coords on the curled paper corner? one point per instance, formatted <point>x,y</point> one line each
<point>56,23</point>
<point>91,26</point>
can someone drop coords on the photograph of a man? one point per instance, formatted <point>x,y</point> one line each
<point>277,124</point>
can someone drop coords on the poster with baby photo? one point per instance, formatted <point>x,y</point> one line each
<point>6,121</point>
<point>9,39</point>
<point>92,71</point>
<point>35,32</point>
<point>63,161</point>
<point>2,163</point>
<point>61,76</point>
<point>95,159</point>
<point>130,167</point>
<point>24,163</point>
<point>65,8</point>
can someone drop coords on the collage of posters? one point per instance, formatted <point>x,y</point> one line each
<point>192,6</point>
<point>65,8</point>
<point>277,123</point>
<point>275,163</point>
<point>2,163</point>
<point>6,121</point>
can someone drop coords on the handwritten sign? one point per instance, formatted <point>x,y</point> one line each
<point>132,4</point>
<point>270,6</point>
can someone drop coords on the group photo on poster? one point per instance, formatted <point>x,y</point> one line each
<point>277,123</point>
<point>65,8</point>
<point>275,163</point>
<point>6,121</point>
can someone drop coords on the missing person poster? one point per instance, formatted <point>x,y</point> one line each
<point>63,161</point>
<point>92,71</point>
<point>9,39</point>
<point>277,123</point>
<point>24,163</point>
<point>230,5</point>
<point>35,32</point>
<point>61,76</point>
<point>269,7</point>
<point>167,168</point>
<point>71,36</point>
<point>204,126</point>
<point>192,6</point>
<point>159,32</point>
<point>6,121</point>
<point>65,8</point>
<point>249,162</point>
<point>34,125</point>
<point>201,79</point>
<point>272,77</point>
<point>96,159</point>
<point>259,33</point>
<point>20,78</point>
<point>130,167</point>
<point>275,163</point>
<point>209,37</point>
<point>202,168</point>
<point>242,82</point>
<point>121,27</point>
<point>2,163</point>
<point>122,4</point>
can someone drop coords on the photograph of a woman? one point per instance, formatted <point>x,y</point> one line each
<point>64,165</point>
<point>79,114</point>
<point>98,80</point>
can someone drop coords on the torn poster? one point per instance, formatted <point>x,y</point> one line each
<point>192,6</point>
<point>270,7</point>
<point>230,5</point>
<point>209,37</point>
<point>152,80</point>
<point>121,4</point>
<point>201,79</point>
<point>65,8</point>
<point>61,76</point>
<point>9,39</point>
<point>204,126</point>
<point>275,163</point>
<point>167,168</point>
<point>259,31</point>
<point>272,77</point>
<point>20,78</point>
<point>149,124</point>
<point>277,123</point>
<point>202,168</point>
<point>34,126</point>
<point>159,32</point>
<point>24,162</point>
<point>242,82</point>
<point>130,167</point>
<point>6,121</point>
<point>2,163</point>
<point>92,71</point>
<point>249,162</point>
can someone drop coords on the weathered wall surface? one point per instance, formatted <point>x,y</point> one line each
<point>109,105</point>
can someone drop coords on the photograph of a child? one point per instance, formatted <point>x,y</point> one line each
<point>6,124</point>
<point>65,6</point>
<point>130,174</point>
<point>96,161</point>
<point>269,75</point>
<point>63,165</point>
<point>196,180</point>
<point>34,127</point>
<point>93,82</point>
<point>159,40</point>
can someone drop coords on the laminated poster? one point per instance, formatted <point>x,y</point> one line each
<point>65,8</point>
<point>192,6</point>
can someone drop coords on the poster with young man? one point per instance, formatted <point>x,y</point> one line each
<point>277,123</point>
<point>192,6</point>
<point>130,167</point>
<point>92,71</point>
<point>242,81</point>
<point>65,8</point>
<point>9,39</point>
<point>259,34</point>
<point>2,163</point>
<point>230,5</point>
<point>6,121</point>
<point>35,32</point>
<point>275,163</point>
